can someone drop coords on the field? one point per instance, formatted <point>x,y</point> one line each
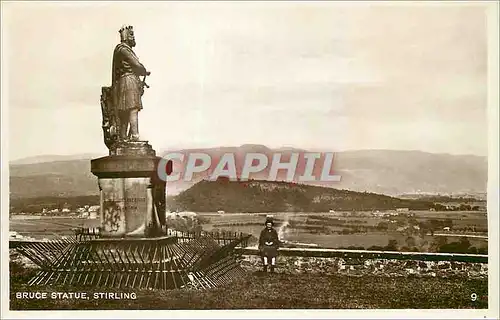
<point>48,227</point>
<point>339,230</point>
<point>287,291</point>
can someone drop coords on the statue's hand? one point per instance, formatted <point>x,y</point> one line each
<point>148,73</point>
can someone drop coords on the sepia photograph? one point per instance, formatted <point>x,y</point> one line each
<point>240,159</point>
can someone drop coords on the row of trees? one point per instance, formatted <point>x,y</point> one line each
<point>463,245</point>
<point>440,244</point>
<point>186,223</point>
<point>460,207</point>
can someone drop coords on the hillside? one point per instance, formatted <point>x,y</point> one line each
<point>53,179</point>
<point>380,171</point>
<point>266,196</point>
<point>54,158</point>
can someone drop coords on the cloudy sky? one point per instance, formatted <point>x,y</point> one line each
<point>334,76</point>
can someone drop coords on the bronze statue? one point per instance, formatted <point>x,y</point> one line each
<point>127,88</point>
<point>121,102</point>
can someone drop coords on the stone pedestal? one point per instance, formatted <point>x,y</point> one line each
<point>132,197</point>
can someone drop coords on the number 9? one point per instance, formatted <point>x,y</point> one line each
<point>473,297</point>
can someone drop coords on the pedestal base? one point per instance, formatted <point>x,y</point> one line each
<point>132,198</point>
<point>132,148</point>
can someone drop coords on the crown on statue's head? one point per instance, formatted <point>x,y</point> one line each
<point>126,32</point>
<point>126,27</point>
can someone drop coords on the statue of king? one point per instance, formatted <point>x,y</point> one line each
<point>127,88</point>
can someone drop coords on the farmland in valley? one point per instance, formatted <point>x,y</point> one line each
<point>359,229</point>
<point>331,230</point>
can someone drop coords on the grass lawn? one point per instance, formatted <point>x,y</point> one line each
<point>290,291</point>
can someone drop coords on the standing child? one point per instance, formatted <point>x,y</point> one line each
<point>268,245</point>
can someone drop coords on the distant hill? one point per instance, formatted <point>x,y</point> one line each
<point>267,196</point>
<point>380,171</point>
<point>59,178</point>
<point>53,158</point>
<point>398,172</point>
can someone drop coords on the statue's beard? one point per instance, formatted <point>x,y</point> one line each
<point>131,42</point>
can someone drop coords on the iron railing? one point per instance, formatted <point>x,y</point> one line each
<point>199,260</point>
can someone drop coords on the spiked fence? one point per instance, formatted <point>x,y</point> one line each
<point>186,260</point>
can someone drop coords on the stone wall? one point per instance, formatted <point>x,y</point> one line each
<point>385,267</point>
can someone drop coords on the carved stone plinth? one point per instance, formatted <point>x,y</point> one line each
<point>132,148</point>
<point>132,198</point>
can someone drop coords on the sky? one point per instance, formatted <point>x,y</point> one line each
<point>314,75</point>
